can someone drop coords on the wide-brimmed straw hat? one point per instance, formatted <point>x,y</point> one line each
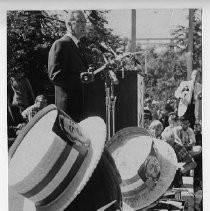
<point>135,152</point>
<point>53,158</point>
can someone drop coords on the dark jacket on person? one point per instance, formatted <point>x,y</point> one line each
<point>65,63</point>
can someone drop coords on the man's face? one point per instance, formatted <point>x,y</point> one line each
<point>185,125</point>
<point>158,130</point>
<point>78,25</point>
<point>195,76</point>
<point>153,167</point>
<point>41,103</point>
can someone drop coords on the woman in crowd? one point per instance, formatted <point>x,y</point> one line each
<point>156,128</point>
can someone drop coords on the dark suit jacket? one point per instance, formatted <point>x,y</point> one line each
<point>65,63</point>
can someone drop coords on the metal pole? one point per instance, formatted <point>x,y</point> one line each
<point>190,44</point>
<point>133,30</point>
<point>108,127</point>
<point>140,81</point>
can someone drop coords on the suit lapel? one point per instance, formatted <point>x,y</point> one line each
<point>76,48</point>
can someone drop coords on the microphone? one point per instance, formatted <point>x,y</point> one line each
<point>95,50</point>
<point>113,77</point>
<point>104,47</point>
<point>108,48</point>
<point>136,60</point>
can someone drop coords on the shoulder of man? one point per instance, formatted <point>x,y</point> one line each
<point>60,43</point>
<point>166,129</point>
<point>184,83</point>
<point>177,129</point>
<point>28,109</point>
<point>190,130</point>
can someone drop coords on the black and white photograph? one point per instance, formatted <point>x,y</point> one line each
<point>104,109</point>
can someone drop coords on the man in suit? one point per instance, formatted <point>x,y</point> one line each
<point>65,63</point>
<point>189,93</point>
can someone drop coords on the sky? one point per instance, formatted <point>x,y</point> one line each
<point>150,23</point>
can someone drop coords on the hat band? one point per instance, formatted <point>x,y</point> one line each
<point>64,184</point>
<point>51,174</point>
<point>134,188</point>
<point>58,177</point>
<point>136,184</point>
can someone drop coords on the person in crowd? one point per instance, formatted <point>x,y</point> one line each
<point>168,110</point>
<point>169,135</point>
<point>65,63</point>
<point>189,94</point>
<point>154,110</point>
<point>187,136</point>
<point>198,159</point>
<point>198,133</point>
<point>39,104</point>
<point>20,91</point>
<point>156,128</point>
<point>147,117</point>
<point>15,122</point>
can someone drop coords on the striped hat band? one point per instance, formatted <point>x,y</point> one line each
<point>56,149</point>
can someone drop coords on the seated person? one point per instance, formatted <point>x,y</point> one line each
<point>186,136</point>
<point>169,135</point>
<point>15,123</point>
<point>147,118</point>
<point>168,109</point>
<point>40,103</point>
<point>156,128</point>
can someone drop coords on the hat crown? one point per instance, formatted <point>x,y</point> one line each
<point>54,153</point>
<point>133,149</point>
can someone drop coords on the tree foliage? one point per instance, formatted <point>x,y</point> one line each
<point>181,35</point>
<point>30,35</point>
<point>167,67</point>
<point>164,72</point>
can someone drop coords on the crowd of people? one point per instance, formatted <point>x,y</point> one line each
<point>178,122</point>
<point>178,125</point>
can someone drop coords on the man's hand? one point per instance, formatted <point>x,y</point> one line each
<point>20,127</point>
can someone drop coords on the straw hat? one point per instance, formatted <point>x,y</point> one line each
<point>147,166</point>
<point>53,158</point>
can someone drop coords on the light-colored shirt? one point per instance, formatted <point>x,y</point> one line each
<point>187,91</point>
<point>30,112</point>
<point>187,137</point>
<point>168,134</point>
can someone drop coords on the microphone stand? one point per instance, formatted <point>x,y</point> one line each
<point>110,101</point>
<point>110,81</point>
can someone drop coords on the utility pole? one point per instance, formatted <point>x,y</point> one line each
<point>140,80</point>
<point>190,44</point>
<point>133,31</point>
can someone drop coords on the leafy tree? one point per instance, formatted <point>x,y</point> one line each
<point>166,66</point>
<point>181,39</point>
<point>165,70</point>
<point>29,37</point>
<point>31,33</point>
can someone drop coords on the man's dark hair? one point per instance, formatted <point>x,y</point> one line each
<point>183,119</point>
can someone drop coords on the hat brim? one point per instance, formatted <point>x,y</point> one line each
<point>96,130</point>
<point>141,196</point>
<point>29,206</point>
